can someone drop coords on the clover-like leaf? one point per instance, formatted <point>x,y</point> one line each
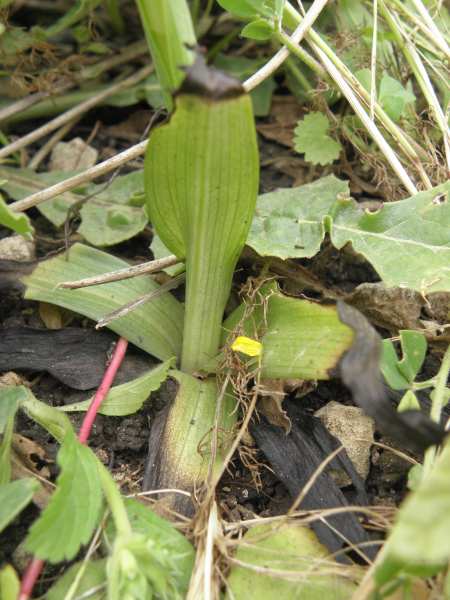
<point>400,374</point>
<point>74,509</point>
<point>311,138</point>
<point>260,29</point>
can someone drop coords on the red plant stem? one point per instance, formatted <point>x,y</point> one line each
<point>30,577</point>
<point>108,378</point>
<point>36,565</point>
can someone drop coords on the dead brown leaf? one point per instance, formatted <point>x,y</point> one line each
<point>29,459</point>
<point>285,113</point>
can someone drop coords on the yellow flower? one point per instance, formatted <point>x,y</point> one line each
<point>246,346</point>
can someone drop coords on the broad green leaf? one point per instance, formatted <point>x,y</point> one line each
<point>242,68</point>
<point>170,35</point>
<point>14,496</point>
<point>73,512</point>
<point>20,183</point>
<point>407,241</point>
<point>129,397</point>
<point>311,138</point>
<point>285,562</point>
<point>420,538</point>
<point>300,339</point>
<point>289,223</point>
<point>260,29</point>
<point>108,217</point>
<point>10,400</point>
<point>168,546</point>
<point>155,327</point>
<point>9,583</point>
<point>18,222</point>
<point>400,374</point>
<point>210,232</point>
<point>94,576</point>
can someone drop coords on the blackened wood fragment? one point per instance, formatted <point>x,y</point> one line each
<point>76,357</point>
<point>295,458</point>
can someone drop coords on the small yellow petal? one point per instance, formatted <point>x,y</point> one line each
<point>246,346</point>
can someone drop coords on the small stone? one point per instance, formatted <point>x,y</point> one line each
<point>18,248</point>
<point>11,378</point>
<point>355,432</point>
<point>73,155</point>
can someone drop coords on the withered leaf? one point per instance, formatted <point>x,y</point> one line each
<point>360,371</point>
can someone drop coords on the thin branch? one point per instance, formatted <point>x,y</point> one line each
<point>282,54</point>
<point>73,182</point>
<point>373,61</point>
<point>152,266</point>
<point>347,91</point>
<point>130,306</point>
<point>51,143</point>
<point>89,72</point>
<point>75,112</point>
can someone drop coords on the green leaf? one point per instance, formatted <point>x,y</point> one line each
<point>10,400</point>
<point>168,546</point>
<point>160,251</point>
<point>408,402</point>
<point>246,9</point>
<point>420,539</point>
<point>156,327</point>
<point>129,397</point>
<point>18,222</point>
<point>311,138</point>
<point>23,182</point>
<point>407,241</point>
<point>258,30</point>
<point>210,233</point>
<point>49,417</point>
<point>108,217</point>
<point>14,497</point>
<point>400,374</point>
<point>170,35</point>
<point>389,367</point>
<point>296,559</point>
<point>11,397</point>
<point>393,97</point>
<point>300,339</point>
<point>94,576</point>
<point>74,509</point>
<point>9,583</point>
<point>414,349</point>
<point>289,223</point>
